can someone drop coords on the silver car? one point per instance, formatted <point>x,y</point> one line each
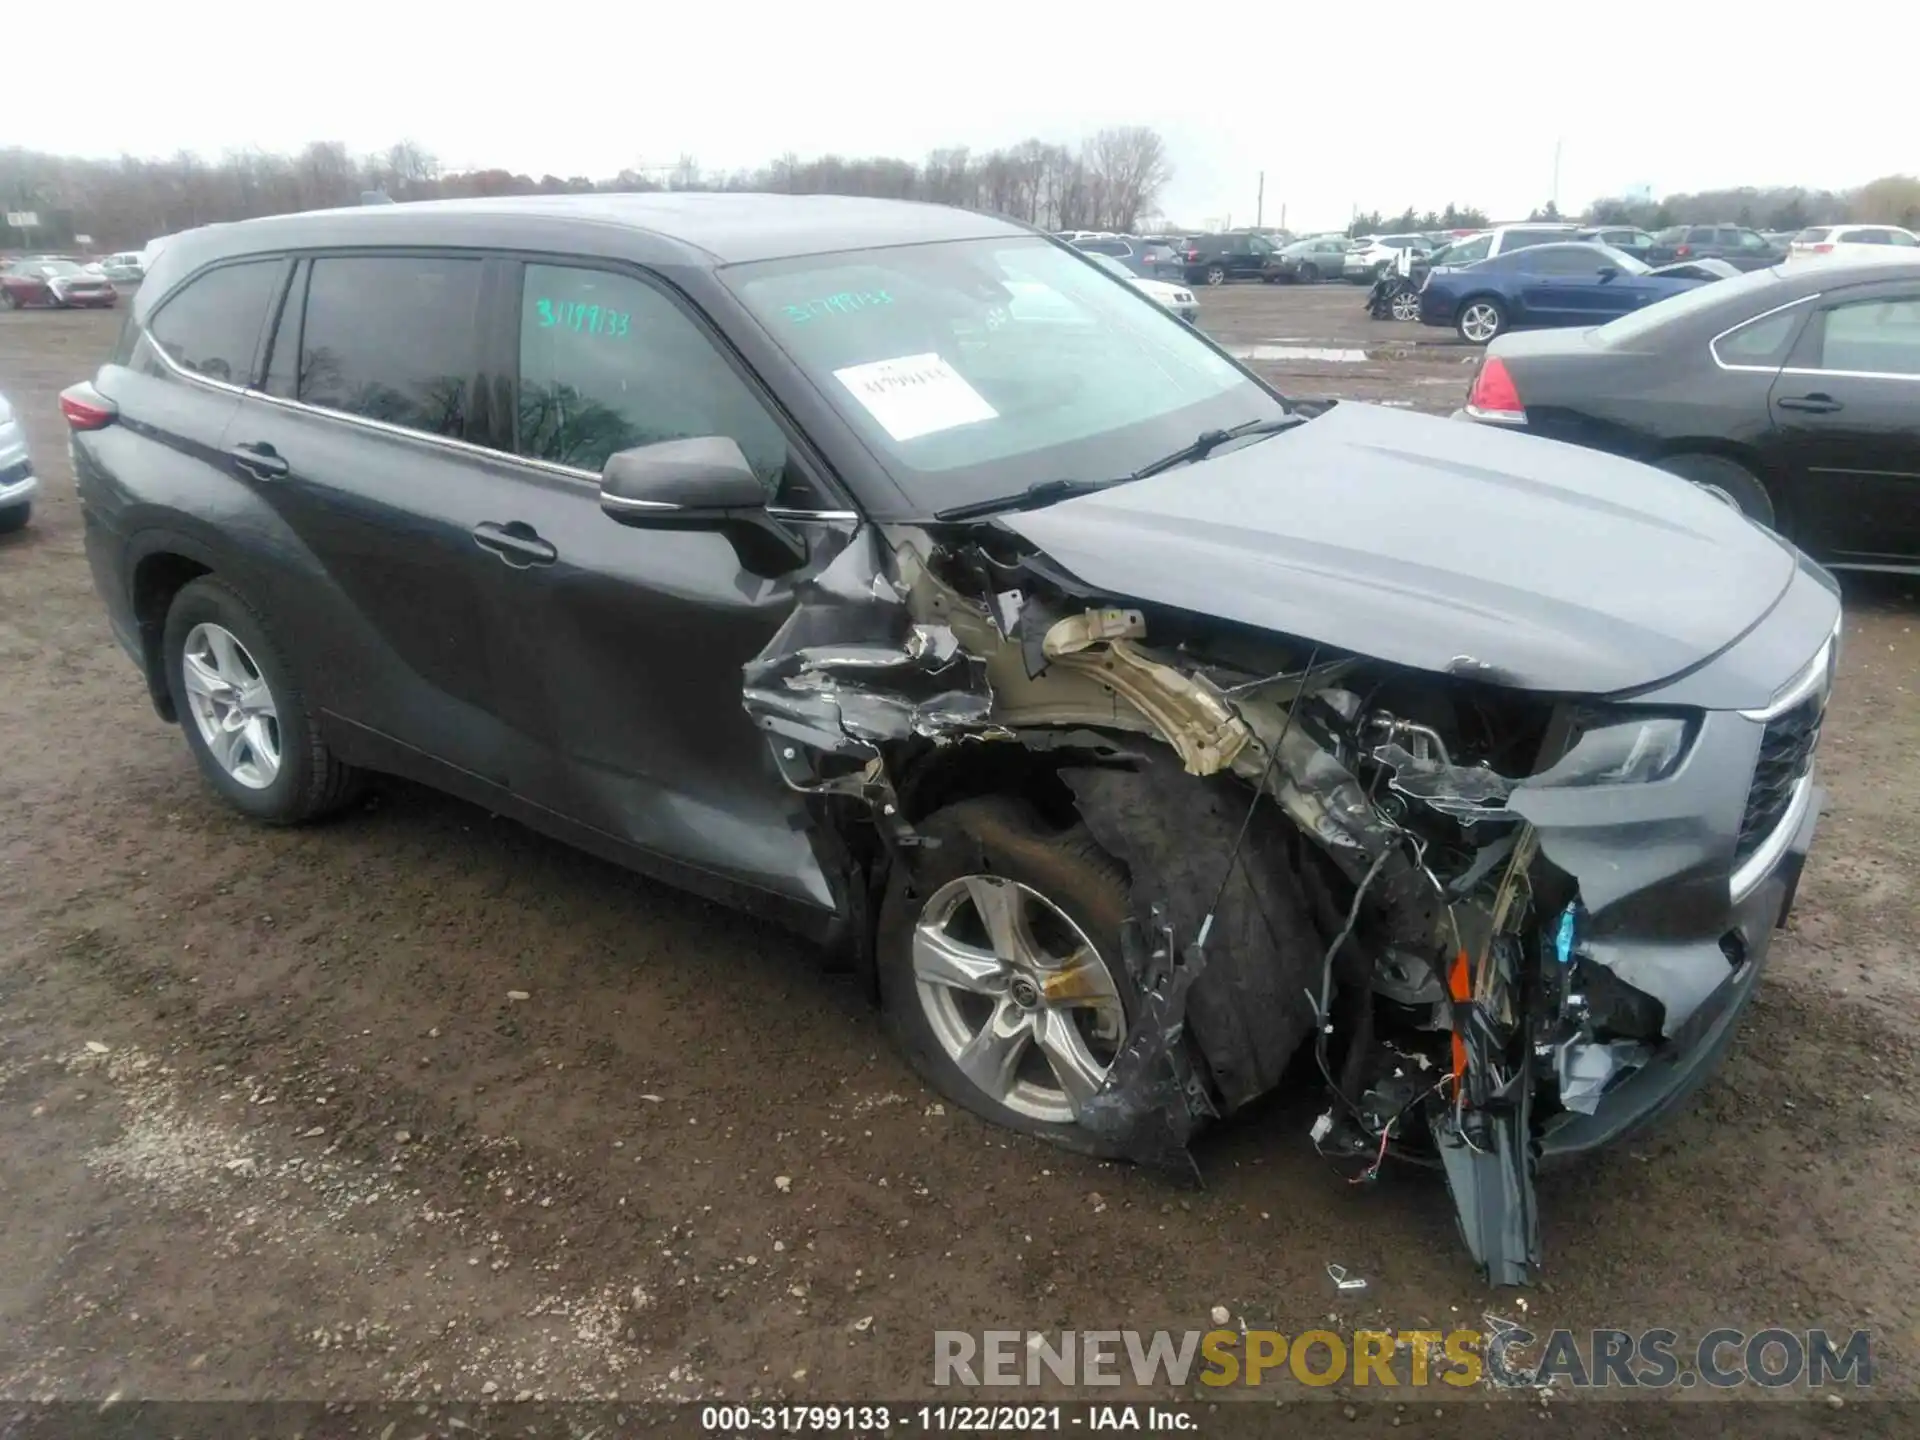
<point>17,480</point>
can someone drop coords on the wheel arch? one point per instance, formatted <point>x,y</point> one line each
<point>166,567</point>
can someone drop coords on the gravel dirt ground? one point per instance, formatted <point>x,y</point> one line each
<point>419,1105</point>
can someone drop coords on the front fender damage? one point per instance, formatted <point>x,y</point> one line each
<point>1322,859</point>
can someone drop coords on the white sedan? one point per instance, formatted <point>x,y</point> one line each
<point>1176,298</point>
<point>1853,242</point>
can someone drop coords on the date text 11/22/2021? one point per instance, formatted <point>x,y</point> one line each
<point>941,1419</point>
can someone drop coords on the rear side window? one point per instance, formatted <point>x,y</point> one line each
<point>607,362</point>
<point>212,327</point>
<point>1873,337</point>
<point>391,338</point>
<point>1811,236</point>
<point>1522,239</point>
<point>1761,342</point>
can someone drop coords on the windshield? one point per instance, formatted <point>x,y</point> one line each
<point>57,267</point>
<point>1633,327</point>
<point>975,369</point>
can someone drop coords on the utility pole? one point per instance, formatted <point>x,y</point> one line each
<point>1555,202</point>
<point>1260,204</point>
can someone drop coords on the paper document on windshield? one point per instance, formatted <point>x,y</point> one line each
<point>915,395</point>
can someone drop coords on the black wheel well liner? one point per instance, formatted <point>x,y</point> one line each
<point>157,578</point>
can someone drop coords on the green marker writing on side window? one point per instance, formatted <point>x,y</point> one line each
<point>583,319</point>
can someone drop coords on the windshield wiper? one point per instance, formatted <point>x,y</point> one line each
<point>1032,498</point>
<point>1207,441</point>
<point>1047,492</point>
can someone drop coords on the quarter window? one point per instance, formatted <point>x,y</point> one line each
<point>213,326</point>
<point>1760,342</point>
<point>391,338</point>
<point>607,363</point>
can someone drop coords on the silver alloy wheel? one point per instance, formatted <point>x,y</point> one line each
<point>1216,275</point>
<point>232,705</point>
<point>1480,322</point>
<point>1017,996</point>
<point>1406,305</point>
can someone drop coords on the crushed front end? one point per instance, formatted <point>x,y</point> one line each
<point>1505,924</point>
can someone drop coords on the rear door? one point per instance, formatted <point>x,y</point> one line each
<point>362,440</point>
<point>1846,418</point>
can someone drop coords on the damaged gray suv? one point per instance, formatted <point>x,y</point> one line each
<point>1145,739</point>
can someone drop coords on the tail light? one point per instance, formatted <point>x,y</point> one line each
<point>85,408</point>
<point>1825,247</point>
<point>1193,255</point>
<point>1683,249</point>
<point>1494,395</point>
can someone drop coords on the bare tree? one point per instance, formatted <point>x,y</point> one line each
<point>1127,169</point>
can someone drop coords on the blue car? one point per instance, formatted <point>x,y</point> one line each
<point>1546,285</point>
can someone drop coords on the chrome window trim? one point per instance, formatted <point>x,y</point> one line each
<point>1714,351</point>
<point>1713,345</point>
<point>1745,880</point>
<point>445,442</point>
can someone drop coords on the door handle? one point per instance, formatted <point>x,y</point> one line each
<point>517,543</point>
<point>1815,404</point>
<point>260,460</point>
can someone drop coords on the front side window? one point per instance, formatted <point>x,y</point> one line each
<point>212,327</point>
<point>973,369</point>
<point>1873,337</point>
<point>608,362</point>
<point>392,338</point>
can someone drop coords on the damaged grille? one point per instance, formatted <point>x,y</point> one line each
<point>1786,754</point>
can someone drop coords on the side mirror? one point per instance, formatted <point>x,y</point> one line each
<point>700,484</point>
<point>1609,272</point>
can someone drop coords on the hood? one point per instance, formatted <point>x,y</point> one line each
<point>1159,289</point>
<point>1438,545</point>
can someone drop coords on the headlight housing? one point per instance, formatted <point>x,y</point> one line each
<point>1629,750</point>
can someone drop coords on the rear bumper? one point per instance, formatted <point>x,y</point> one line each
<point>17,486</point>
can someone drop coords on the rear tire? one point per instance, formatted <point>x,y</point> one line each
<point>1481,321</point>
<point>1726,480</point>
<point>15,517</point>
<point>277,768</point>
<point>13,300</point>
<point>1216,274</point>
<point>1062,884</point>
<point>1309,274</point>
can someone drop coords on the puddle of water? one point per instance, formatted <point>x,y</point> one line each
<point>1297,352</point>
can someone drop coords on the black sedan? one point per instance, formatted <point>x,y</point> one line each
<point>1793,395</point>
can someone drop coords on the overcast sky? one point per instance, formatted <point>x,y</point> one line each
<point>1457,107</point>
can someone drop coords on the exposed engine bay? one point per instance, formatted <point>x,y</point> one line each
<point>1332,876</point>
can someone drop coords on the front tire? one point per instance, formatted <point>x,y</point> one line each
<point>15,517</point>
<point>999,967</point>
<point>1481,320</point>
<point>247,721</point>
<point>1406,305</point>
<point>1309,274</point>
<point>1726,480</point>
